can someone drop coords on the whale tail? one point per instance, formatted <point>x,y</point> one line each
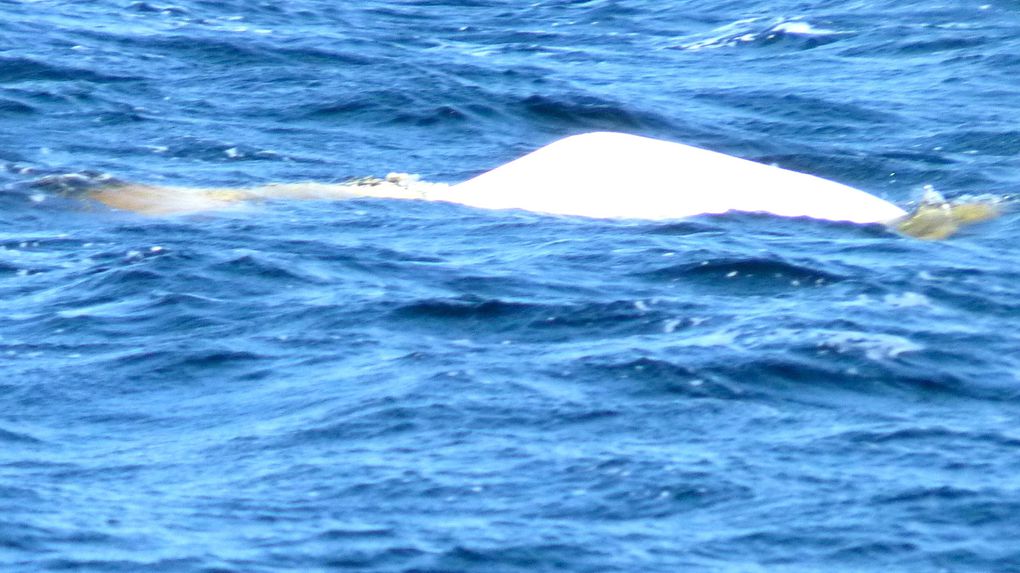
<point>159,200</point>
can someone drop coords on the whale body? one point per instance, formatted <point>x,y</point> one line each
<point>600,175</point>
<point>616,175</point>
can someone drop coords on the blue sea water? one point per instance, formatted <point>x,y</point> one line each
<point>382,385</point>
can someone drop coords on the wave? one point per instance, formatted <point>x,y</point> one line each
<point>744,275</point>
<point>16,107</point>
<point>18,438</point>
<point>20,69</point>
<point>591,112</point>
<point>494,318</point>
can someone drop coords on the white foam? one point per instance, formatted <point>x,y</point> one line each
<point>875,346</point>
<point>801,28</point>
<point>748,30</point>
<point>907,300</point>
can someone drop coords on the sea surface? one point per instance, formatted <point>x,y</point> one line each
<point>396,386</point>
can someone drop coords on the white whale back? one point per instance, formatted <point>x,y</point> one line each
<point>608,175</point>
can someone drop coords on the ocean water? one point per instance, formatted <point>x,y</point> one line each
<point>383,385</point>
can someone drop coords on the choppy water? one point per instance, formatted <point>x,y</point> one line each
<point>379,385</point>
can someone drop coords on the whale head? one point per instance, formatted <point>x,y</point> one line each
<point>936,218</point>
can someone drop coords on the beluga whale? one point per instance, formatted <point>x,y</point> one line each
<point>601,175</point>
